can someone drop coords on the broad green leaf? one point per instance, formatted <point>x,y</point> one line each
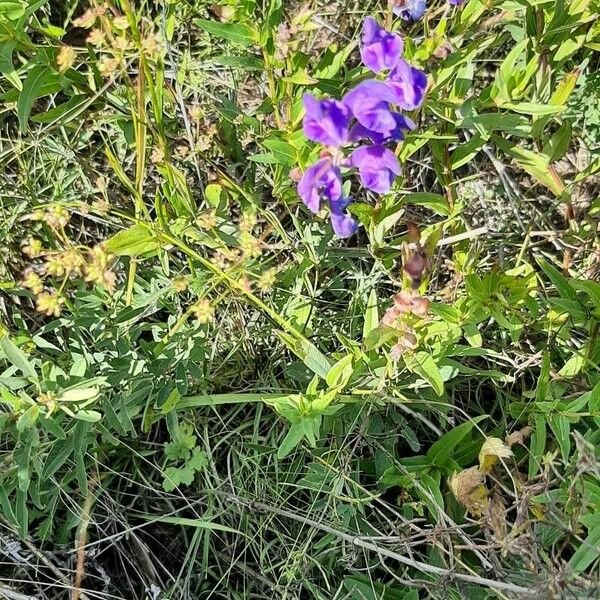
<point>560,282</point>
<point>588,552</point>
<point>91,416</point>
<point>340,373</point>
<point>57,457</point>
<point>136,240</point>
<point>530,108</point>
<point>423,364</point>
<point>537,445</point>
<point>441,451</point>
<point>371,314</point>
<point>294,436</point>
<point>7,67</point>
<point>284,153</point>
<point>36,79</point>
<point>17,357</point>
<point>12,9</point>
<point>436,202</point>
<point>233,32</point>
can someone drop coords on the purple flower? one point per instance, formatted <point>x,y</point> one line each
<point>360,132</point>
<point>455,2</point>
<point>324,180</point>
<point>343,224</point>
<point>326,121</point>
<point>377,166</point>
<point>369,102</point>
<point>408,85</point>
<point>411,9</point>
<point>380,49</point>
<point>320,180</point>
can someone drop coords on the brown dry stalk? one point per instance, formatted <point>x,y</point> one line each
<point>81,539</point>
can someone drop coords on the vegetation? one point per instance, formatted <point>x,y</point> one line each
<point>206,393</point>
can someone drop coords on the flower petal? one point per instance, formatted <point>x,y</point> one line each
<point>326,121</point>
<point>369,103</point>
<point>380,49</point>
<point>320,180</point>
<point>360,132</point>
<point>377,167</point>
<point>408,85</point>
<point>344,225</point>
<point>411,9</point>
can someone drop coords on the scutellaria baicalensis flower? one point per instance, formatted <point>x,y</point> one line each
<point>380,49</point>
<point>366,116</point>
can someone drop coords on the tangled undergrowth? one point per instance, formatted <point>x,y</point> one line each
<point>299,300</point>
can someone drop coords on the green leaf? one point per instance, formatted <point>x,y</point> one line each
<point>310,355</point>
<point>573,366</point>
<point>12,9</point>
<point>36,79</point>
<point>440,452</point>
<point>436,202</point>
<point>91,416</point>
<point>57,457</point>
<point>422,364</point>
<point>340,373</point>
<point>7,67</point>
<point>65,112</point>
<point>537,445</point>
<point>136,240</point>
<point>186,522</point>
<point>530,108</point>
<point>233,32</point>
<point>17,357</point>
<point>562,431</point>
<point>284,153</point>
<point>588,552</point>
<point>28,419</point>
<point>371,314</point>
<point>294,436</point>
<point>560,282</point>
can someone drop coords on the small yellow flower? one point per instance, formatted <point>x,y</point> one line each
<point>47,400</point>
<point>101,207</point>
<point>207,220</point>
<point>249,245</point>
<point>97,270</point>
<point>203,311</point>
<point>152,44</point>
<point>248,222</point>
<point>65,58</point>
<point>96,37</point>
<point>267,280</point>
<point>57,216</point>
<point>196,113</point>
<point>33,248</point>
<point>33,282</point>
<point>157,155</point>
<point>49,303</point>
<point>107,66</point>
<point>87,19</point>
<point>120,22</point>
<point>73,262</point>
<point>180,284</point>
<point>54,265</point>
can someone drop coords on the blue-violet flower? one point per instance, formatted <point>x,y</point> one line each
<point>326,121</point>
<point>377,167</point>
<point>380,49</point>
<point>410,9</point>
<point>408,85</point>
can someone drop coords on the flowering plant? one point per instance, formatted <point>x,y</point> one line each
<point>365,116</point>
